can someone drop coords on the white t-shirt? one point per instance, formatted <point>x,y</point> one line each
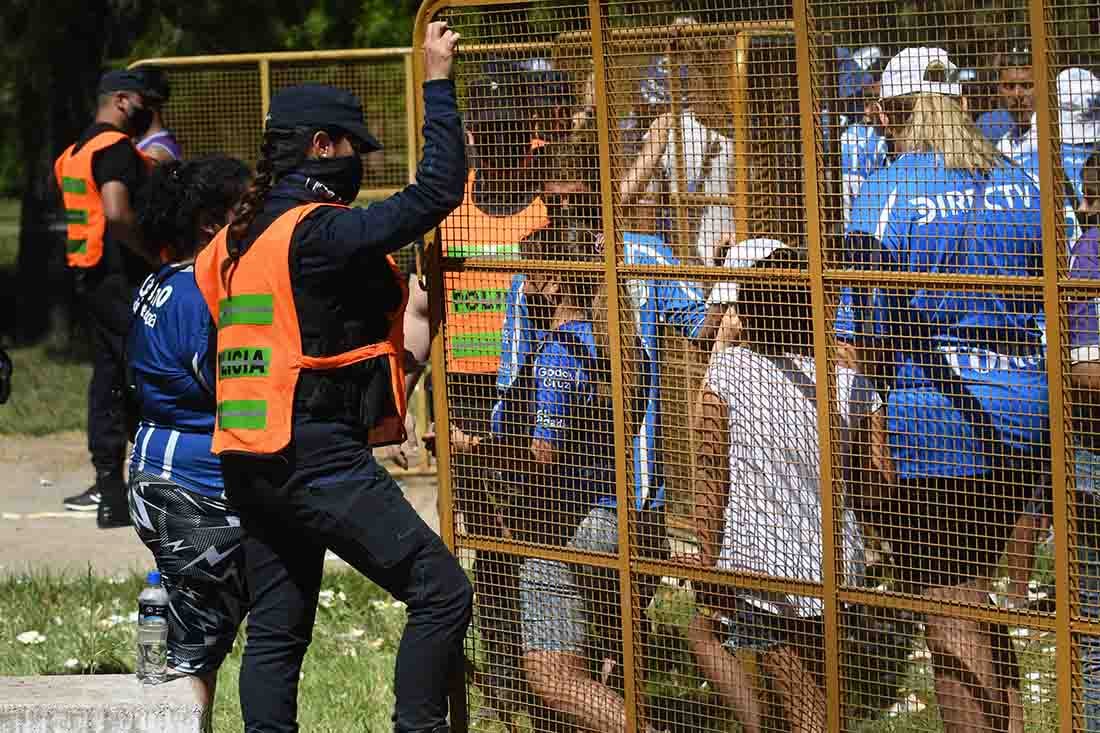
<point>773,518</point>
<point>705,151</point>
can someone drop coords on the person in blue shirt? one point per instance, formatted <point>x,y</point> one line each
<point>177,499</point>
<point>556,415</point>
<point>963,372</point>
<point>1016,92</point>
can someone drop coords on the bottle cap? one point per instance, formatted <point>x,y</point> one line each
<point>153,578</point>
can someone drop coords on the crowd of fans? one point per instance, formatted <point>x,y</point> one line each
<point>939,390</point>
<point>941,394</point>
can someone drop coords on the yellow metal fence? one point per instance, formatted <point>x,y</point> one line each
<point>766,396</point>
<point>218,103</point>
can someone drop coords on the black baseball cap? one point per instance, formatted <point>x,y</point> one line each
<point>319,105</point>
<point>156,83</point>
<point>124,80</point>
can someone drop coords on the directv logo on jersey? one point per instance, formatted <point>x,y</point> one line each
<point>951,204</point>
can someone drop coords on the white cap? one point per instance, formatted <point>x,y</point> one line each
<point>1079,106</point>
<point>743,254</point>
<point>866,57</point>
<point>906,72</point>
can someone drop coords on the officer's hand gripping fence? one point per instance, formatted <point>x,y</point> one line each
<point>705,481</point>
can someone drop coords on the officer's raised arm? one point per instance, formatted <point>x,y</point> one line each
<point>390,224</point>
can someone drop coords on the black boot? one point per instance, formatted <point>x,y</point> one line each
<point>114,504</point>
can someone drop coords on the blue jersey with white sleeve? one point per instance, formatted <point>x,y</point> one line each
<point>862,152</point>
<point>1025,153</point>
<point>676,303</point>
<point>170,348</point>
<point>917,216</point>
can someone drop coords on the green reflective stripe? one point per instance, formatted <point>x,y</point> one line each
<point>470,345</point>
<point>76,216</point>
<point>76,246</point>
<point>246,361</point>
<point>495,251</point>
<point>246,310</point>
<point>479,300</point>
<point>242,415</point>
<point>73,185</point>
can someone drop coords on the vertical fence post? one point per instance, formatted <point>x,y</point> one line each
<point>622,492</point>
<point>809,113</point>
<point>265,89</point>
<point>1051,209</point>
<point>459,719</point>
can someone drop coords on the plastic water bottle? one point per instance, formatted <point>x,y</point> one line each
<point>152,631</point>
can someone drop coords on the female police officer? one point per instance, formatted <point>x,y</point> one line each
<point>963,371</point>
<point>309,316</point>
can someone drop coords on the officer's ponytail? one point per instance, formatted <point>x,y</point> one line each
<point>283,150</point>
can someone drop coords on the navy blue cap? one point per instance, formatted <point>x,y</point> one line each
<point>319,105</point>
<point>156,83</point>
<point>124,80</point>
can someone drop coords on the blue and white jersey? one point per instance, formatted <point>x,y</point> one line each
<point>1025,153</point>
<point>170,349</point>
<point>924,218</point>
<point>862,152</point>
<point>996,124</point>
<point>676,303</point>
<point>518,340</point>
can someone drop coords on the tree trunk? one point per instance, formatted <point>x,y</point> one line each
<point>64,54</point>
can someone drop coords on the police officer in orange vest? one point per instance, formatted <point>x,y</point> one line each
<point>309,308</point>
<point>98,176</point>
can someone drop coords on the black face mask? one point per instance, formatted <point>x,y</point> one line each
<point>140,118</point>
<point>342,176</point>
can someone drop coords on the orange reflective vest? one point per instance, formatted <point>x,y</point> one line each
<point>476,301</point>
<point>260,343</point>
<point>84,215</point>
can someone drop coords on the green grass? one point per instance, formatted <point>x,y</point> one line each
<point>346,683</point>
<point>49,393</point>
<point>88,628</point>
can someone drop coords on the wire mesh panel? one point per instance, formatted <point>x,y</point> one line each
<point>768,333</point>
<point>216,109</point>
<point>217,104</point>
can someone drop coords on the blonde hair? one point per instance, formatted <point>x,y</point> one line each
<point>934,123</point>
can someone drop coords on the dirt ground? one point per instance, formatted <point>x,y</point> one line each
<point>38,535</point>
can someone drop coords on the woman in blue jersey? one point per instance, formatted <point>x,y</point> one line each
<point>963,372</point>
<point>177,499</point>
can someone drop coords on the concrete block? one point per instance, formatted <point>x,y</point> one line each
<point>97,704</point>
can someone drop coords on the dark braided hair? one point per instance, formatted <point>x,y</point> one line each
<point>181,197</point>
<point>283,151</point>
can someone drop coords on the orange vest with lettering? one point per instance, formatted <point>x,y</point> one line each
<point>260,343</point>
<point>84,217</point>
<point>476,300</point>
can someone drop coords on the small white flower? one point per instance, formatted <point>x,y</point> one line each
<point>341,596</point>
<point>325,598</point>
<point>57,621</point>
<point>350,652</point>
<point>397,604</point>
<point>72,663</point>
<point>356,633</point>
<point>379,605</point>
<point>376,643</point>
<point>30,637</point>
<point>117,580</point>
